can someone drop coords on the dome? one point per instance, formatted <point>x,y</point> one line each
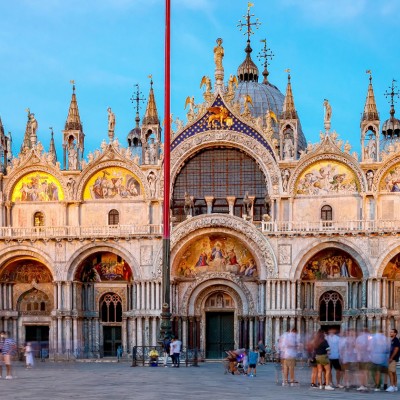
<point>265,96</point>
<point>391,127</point>
<point>134,136</point>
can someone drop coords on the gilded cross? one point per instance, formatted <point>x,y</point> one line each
<point>248,23</point>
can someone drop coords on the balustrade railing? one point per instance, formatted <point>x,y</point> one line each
<point>123,231</point>
<point>344,226</point>
<point>105,231</point>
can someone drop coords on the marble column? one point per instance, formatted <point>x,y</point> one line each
<point>231,204</point>
<point>209,200</point>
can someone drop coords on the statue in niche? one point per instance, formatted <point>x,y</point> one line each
<point>285,179</point>
<point>371,149</point>
<point>288,148</point>
<point>71,187</point>
<point>188,207</point>
<point>152,152</point>
<point>152,179</point>
<point>72,156</point>
<point>370,180</point>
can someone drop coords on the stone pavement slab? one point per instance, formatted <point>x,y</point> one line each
<point>120,381</point>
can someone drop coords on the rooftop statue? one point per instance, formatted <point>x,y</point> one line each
<point>218,54</point>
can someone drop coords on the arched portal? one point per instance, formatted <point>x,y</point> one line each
<point>110,310</point>
<point>105,285</point>
<point>219,311</point>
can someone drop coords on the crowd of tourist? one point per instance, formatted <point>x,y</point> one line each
<point>362,360</point>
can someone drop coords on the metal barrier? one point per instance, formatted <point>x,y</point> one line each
<point>141,357</point>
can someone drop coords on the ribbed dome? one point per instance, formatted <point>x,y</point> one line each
<point>265,97</point>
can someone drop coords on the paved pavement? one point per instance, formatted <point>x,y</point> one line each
<point>119,381</point>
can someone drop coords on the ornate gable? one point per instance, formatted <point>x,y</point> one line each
<point>220,117</point>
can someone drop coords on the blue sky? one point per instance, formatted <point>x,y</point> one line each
<point>107,46</point>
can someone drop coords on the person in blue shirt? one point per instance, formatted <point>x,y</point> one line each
<point>253,359</point>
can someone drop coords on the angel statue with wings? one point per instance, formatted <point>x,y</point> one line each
<point>207,82</point>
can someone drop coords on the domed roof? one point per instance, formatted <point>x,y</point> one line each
<point>391,127</point>
<point>265,96</point>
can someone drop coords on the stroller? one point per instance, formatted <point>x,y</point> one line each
<point>233,363</point>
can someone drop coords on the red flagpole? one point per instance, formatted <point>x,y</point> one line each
<point>165,329</point>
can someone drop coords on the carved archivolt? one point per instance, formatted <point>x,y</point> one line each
<point>204,285</point>
<point>341,158</point>
<point>101,164</point>
<point>239,140</point>
<point>229,224</point>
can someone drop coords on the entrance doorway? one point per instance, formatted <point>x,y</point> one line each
<point>112,339</point>
<point>38,336</point>
<point>219,334</point>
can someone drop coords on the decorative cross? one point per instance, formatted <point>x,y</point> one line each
<point>392,94</point>
<point>265,54</point>
<point>138,98</point>
<point>248,24</point>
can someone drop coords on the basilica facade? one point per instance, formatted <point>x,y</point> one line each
<point>269,232</point>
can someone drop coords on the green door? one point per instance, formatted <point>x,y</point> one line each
<point>111,340</point>
<point>219,334</point>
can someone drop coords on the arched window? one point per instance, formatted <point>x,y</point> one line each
<point>113,217</point>
<point>330,307</point>
<point>111,308</point>
<point>326,213</point>
<point>220,173</point>
<point>38,219</point>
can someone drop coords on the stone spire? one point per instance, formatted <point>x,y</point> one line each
<point>73,121</point>
<point>370,111</point>
<point>370,126</point>
<point>151,115</point>
<point>289,127</point>
<point>52,148</point>
<point>289,110</point>
<point>27,143</point>
<point>151,131</point>
<point>73,136</point>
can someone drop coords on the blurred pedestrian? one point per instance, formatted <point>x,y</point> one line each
<point>379,348</point>
<point>288,346</point>
<point>28,352</point>
<point>321,355</point>
<point>333,340</point>
<point>8,350</point>
<point>166,348</point>
<point>393,360</point>
<point>261,351</point>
